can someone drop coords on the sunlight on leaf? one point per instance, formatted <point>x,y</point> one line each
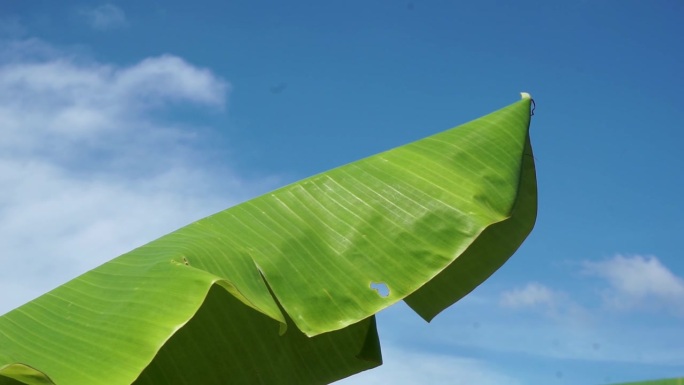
<point>283,289</point>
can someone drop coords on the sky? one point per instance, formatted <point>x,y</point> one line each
<point>121,121</point>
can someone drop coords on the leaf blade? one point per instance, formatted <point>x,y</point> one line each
<point>304,255</point>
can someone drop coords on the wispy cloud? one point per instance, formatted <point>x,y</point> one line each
<point>532,295</point>
<point>89,165</point>
<point>638,282</point>
<point>60,110</point>
<point>104,17</point>
<point>549,302</point>
<point>410,367</point>
<point>573,324</point>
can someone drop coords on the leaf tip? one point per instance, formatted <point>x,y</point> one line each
<point>525,95</point>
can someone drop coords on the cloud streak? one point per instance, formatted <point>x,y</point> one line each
<point>104,17</point>
<point>532,295</point>
<point>409,367</point>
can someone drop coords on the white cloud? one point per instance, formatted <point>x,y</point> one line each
<point>551,303</point>
<point>47,104</point>
<point>410,367</point>
<point>104,17</point>
<point>639,282</point>
<point>532,295</point>
<point>89,167</point>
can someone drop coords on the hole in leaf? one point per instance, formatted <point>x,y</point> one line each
<point>380,288</point>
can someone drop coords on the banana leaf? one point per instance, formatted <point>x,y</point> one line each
<point>282,289</point>
<point>670,381</point>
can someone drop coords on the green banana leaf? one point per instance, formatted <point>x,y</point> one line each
<point>671,381</point>
<point>283,289</point>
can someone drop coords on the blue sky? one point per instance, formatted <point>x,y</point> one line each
<point>125,120</point>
